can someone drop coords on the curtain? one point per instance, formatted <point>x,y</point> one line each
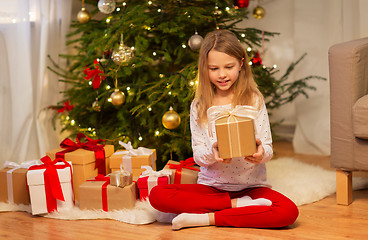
<point>310,27</point>
<point>30,30</point>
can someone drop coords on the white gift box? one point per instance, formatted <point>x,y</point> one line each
<point>37,192</point>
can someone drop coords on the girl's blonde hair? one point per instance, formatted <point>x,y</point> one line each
<point>245,89</point>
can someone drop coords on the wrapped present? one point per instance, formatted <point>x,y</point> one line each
<point>235,130</point>
<point>121,178</point>
<point>184,172</point>
<point>99,194</point>
<point>88,158</point>
<point>13,182</point>
<point>151,178</point>
<point>50,186</point>
<point>133,159</point>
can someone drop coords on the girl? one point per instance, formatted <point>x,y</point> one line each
<point>230,192</point>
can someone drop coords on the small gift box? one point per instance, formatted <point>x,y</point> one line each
<point>50,186</point>
<point>184,172</point>
<point>99,194</point>
<point>13,182</point>
<point>88,158</point>
<point>133,159</point>
<point>121,178</point>
<point>151,178</point>
<point>234,130</point>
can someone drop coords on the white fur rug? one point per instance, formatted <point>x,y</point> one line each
<point>303,183</point>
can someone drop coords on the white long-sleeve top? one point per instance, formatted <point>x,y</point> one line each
<point>239,174</point>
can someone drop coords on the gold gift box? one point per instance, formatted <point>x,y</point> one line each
<point>188,176</point>
<point>137,162</point>
<point>83,163</point>
<point>121,179</point>
<point>117,197</point>
<point>235,137</point>
<point>19,182</point>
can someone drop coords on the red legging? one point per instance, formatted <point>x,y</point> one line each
<point>198,198</point>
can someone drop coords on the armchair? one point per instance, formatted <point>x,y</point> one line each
<point>348,68</point>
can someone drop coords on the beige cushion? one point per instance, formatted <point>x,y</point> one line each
<point>360,118</point>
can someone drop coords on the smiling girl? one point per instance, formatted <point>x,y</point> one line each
<point>230,192</point>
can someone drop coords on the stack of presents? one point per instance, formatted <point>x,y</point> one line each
<point>89,174</point>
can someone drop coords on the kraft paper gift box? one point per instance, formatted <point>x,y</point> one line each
<point>13,182</point>
<point>99,194</point>
<point>83,161</point>
<point>234,129</point>
<point>50,186</point>
<point>132,159</point>
<point>150,178</point>
<point>183,172</point>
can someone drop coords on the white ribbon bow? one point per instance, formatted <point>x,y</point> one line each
<point>154,175</point>
<point>215,113</point>
<point>127,158</point>
<point>135,152</point>
<point>26,164</point>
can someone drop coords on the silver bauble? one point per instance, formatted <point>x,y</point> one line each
<point>106,6</point>
<point>195,41</point>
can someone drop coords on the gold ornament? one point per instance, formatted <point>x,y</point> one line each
<point>258,12</point>
<point>171,119</point>
<point>117,97</point>
<point>83,15</point>
<point>195,41</point>
<point>123,54</point>
<point>95,106</point>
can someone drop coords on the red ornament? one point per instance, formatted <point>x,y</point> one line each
<point>66,106</point>
<point>241,3</point>
<point>256,60</point>
<point>95,74</point>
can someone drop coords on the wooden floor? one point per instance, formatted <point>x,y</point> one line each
<point>320,220</point>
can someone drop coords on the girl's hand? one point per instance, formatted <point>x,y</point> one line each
<point>257,157</point>
<point>217,154</point>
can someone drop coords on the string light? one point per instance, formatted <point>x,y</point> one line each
<point>154,53</point>
<point>250,63</point>
<point>191,83</point>
<point>274,66</point>
<point>184,46</point>
<point>118,9</point>
<point>249,49</point>
<point>109,100</point>
<point>108,87</point>
<point>72,122</point>
<point>157,133</point>
<point>149,109</point>
<point>90,83</point>
<point>169,93</point>
<point>150,2</point>
<point>124,4</point>
<point>140,138</point>
<point>243,35</point>
<point>128,88</point>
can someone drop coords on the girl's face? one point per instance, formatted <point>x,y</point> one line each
<point>223,70</point>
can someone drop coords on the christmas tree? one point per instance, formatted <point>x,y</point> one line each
<point>135,59</point>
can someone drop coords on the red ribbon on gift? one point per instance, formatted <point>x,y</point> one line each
<point>187,163</point>
<point>102,178</point>
<point>92,145</point>
<point>52,182</point>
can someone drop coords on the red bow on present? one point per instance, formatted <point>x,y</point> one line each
<point>53,189</point>
<point>187,163</point>
<point>105,179</point>
<point>94,74</point>
<point>91,145</point>
<point>66,106</point>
